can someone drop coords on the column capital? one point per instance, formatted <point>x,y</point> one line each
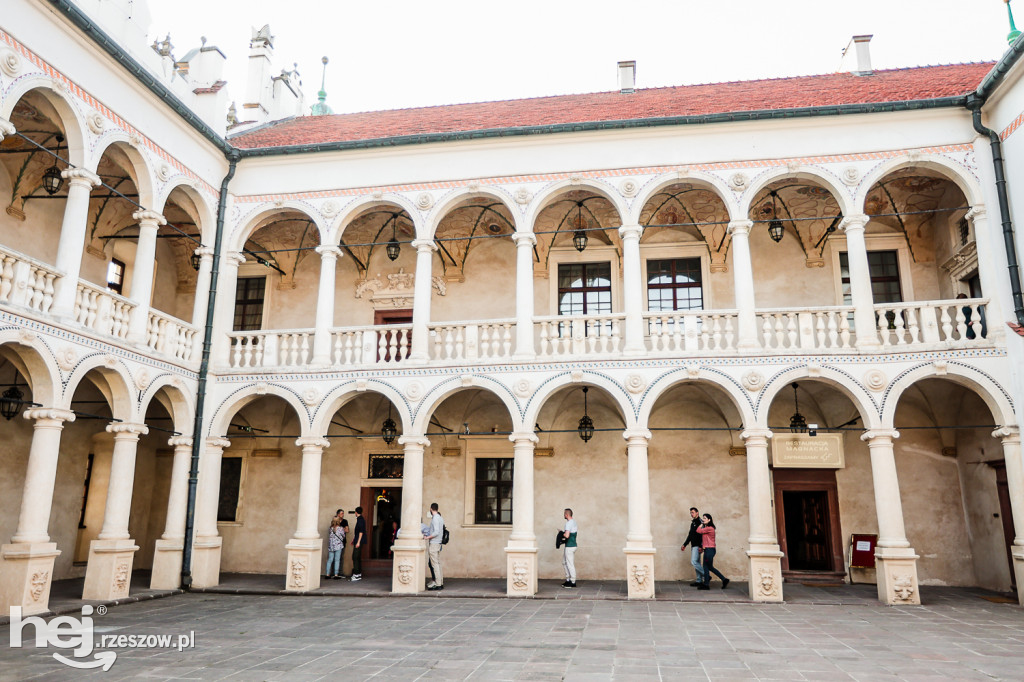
<point>630,231</point>
<point>80,177</point>
<point>328,251</point>
<point>204,252</point>
<point>217,443</point>
<point>127,429</point>
<point>631,435</point>
<point>6,128</point>
<point>977,212</point>
<point>312,442</point>
<point>149,218</point>
<point>519,437</point>
<point>1007,434</point>
<point>756,434</point>
<point>415,441</point>
<point>179,442</point>
<point>51,414</point>
<point>856,222</point>
<point>234,258</point>
<point>740,226</point>
<point>879,435</point>
<point>524,238</point>
<point>423,245</point>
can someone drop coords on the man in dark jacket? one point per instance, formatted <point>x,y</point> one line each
<point>693,539</point>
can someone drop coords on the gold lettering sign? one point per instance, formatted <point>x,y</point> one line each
<point>802,451</point>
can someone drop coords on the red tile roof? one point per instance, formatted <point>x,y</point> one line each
<point>894,85</point>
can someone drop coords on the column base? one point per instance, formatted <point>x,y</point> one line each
<point>1018,568</point>
<point>640,572</point>
<point>896,572</point>
<point>26,573</point>
<point>109,572</point>
<point>206,561</point>
<point>303,572</point>
<point>167,558</point>
<point>765,573</point>
<point>521,571</point>
<point>410,567</point>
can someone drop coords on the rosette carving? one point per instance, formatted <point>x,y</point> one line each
<point>629,188</point>
<point>95,122</point>
<point>414,391</point>
<point>424,201</point>
<point>522,196</point>
<point>523,388</point>
<point>10,62</point>
<point>739,181</point>
<point>753,381</point>
<point>635,383</point>
<point>876,380</point>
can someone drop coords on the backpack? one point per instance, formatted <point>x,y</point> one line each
<point>444,535</point>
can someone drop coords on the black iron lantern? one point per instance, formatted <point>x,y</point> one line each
<point>52,179</point>
<point>196,260</point>
<point>10,402</point>
<point>797,423</point>
<point>579,237</point>
<point>776,230</point>
<point>389,430</point>
<point>393,248</point>
<point>586,427</point>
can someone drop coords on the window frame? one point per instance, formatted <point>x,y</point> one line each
<point>263,303</point>
<point>484,446</point>
<point>239,506</point>
<point>673,287</point>
<point>874,242</point>
<point>559,291</point>
<point>119,290</point>
<point>500,486</point>
<point>656,251</point>
<point>594,253</point>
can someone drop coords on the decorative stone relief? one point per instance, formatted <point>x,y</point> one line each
<point>395,290</point>
<point>753,381</point>
<point>61,86</point>
<point>424,201</point>
<point>26,335</point>
<point>635,383</point>
<point>110,360</point>
<point>121,574</point>
<point>164,172</point>
<point>851,176</point>
<point>523,388</point>
<point>414,391</point>
<point>378,196</point>
<point>330,208</point>
<point>361,385</point>
<point>135,140</point>
<point>311,397</point>
<point>683,172</point>
<point>903,587</point>
<point>875,379</point>
<point>261,388</point>
<point>629,188</point>
<point>766,584</point>
<point>575,179</point>
<point>577,376</point>
<point>467,380</point>
<point>522,196</point>
<point>298,572</point>
<point>639,573</point>
<point>520,575</point>
<point>95,122</point>
<point>941,367</point>
<point>473,187</point>
<point>792,165</point>
<point>813,369</point>
<point>915,155</point>
<point>10,63</point>
<point>739,182</point>
<point>405,570</point>
<point>693,371</point>
<point>142,380</point>
<point>37,584</point>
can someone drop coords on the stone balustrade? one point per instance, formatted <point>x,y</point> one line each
<point>927,323</point>
<point>26,282</point>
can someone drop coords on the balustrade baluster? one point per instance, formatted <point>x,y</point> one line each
<point>345,358</point>
<point>460,342</point>
<point>883,326</point>
<point>961,323</point>
<point>544,340</point>
<point>338,350</point>
<point>729,333</point>
<point>678,324</point>
<point>484,349</point>
<point>304,356</point>
<point>6,277</point>
<point>791,330</point>
<point>247,355</point>
<point>357,349</point>
<point>47,292</point>
<point>236,352</point>
<point>819,328</point>
<point>899,326</point>
<point>844,330</point>
<point>766,330</point>
<point>947,324</point>
<point>384,353</point>
<point>403,345</point>
<point>833,334</point>
<point>506,341</point>
<point>913,328</point>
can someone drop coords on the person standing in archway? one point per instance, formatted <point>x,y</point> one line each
<point>569,550</point>
<point>358,538</point>
<point>695,541</point>
<point>707,531</point>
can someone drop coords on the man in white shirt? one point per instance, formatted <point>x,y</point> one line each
<point>569,550</point>
<point>434,536</point>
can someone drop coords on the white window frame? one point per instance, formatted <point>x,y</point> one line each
<point>875,242</point>
<point>248,271</point>
<point>662,252</point>
<point>483,447</point>
<point>243,455</point>
<point>592,254</point>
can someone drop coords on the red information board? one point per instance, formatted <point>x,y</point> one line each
<point>862,550</point>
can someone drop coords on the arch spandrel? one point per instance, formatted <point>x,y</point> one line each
<point>839,379</point>
<point>233,403</point>
<point>35,363</point>
<point>996,398</point>
<point>551,193</point>
<point>71,120</point>
<point>434,397</point>
<point>113,380</point>
<point>618,395</point>
<point>342,394</point>
<point>812,174</point>
<point>739,398</point>
<point>950,170</point>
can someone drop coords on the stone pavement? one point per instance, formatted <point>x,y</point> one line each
<point>269,637</point>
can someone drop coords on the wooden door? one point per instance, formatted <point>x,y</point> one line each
<point>807,521</point>
<point>1005,515</point>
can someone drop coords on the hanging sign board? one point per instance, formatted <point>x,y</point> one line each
<point>804,451</point>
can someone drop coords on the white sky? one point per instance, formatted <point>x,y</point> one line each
<point>400,53</point>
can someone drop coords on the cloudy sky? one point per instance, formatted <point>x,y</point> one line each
<point>399,53</point>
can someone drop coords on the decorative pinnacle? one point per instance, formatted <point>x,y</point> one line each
<point>321,108</point>
<point>1012,36</point>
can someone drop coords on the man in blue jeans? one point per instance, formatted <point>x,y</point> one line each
<point>694,540</point>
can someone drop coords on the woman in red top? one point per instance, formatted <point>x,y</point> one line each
<point>707,531</point>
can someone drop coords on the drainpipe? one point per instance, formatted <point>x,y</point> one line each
<point>204,367</point>
<point>974,103</point>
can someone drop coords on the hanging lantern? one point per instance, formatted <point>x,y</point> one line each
<point>586,427</point>
<point>797,423</point>
<point>393,248</point>
<point>10,403</point>
<point>389,430</point>
<point>776,230</point>
<point>579,237</point>
<point>196,260</point>
<point>52,178</point>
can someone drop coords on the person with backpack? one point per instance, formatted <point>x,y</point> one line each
<point>569,551</point>
<point>435,536</point>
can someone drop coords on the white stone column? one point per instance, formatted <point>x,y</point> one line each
<point>207,543</point>
<point>521,552</point>
<point>525,242</point>
<point>632,290</point>
<point>1010,437</point>
<point>202,298</point>
<point>109,572</point>
<point>224,316</point>
<point>896,562</point>
<point>6,128</point>
<point>765,558</point>
<point>639,541</point>
<point>142,274</point>
<point>988,272</point>
<point>325,305</point>
<point>168,552</point>
<point>72,239</point>
<point>305,548</point>
<point>410,565</point>
<point>26,564</point>
<point>860,281</point>
<point>422,292</point>
<point>743,283</point>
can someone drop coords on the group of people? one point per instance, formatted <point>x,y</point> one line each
<point>701,540</point>
<point>337,539</point>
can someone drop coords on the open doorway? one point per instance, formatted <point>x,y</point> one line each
<point>382,509</point>
<point>807,516</point>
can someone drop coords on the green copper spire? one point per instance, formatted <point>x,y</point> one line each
<point>1014,33</point>
<point>321,108</point>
